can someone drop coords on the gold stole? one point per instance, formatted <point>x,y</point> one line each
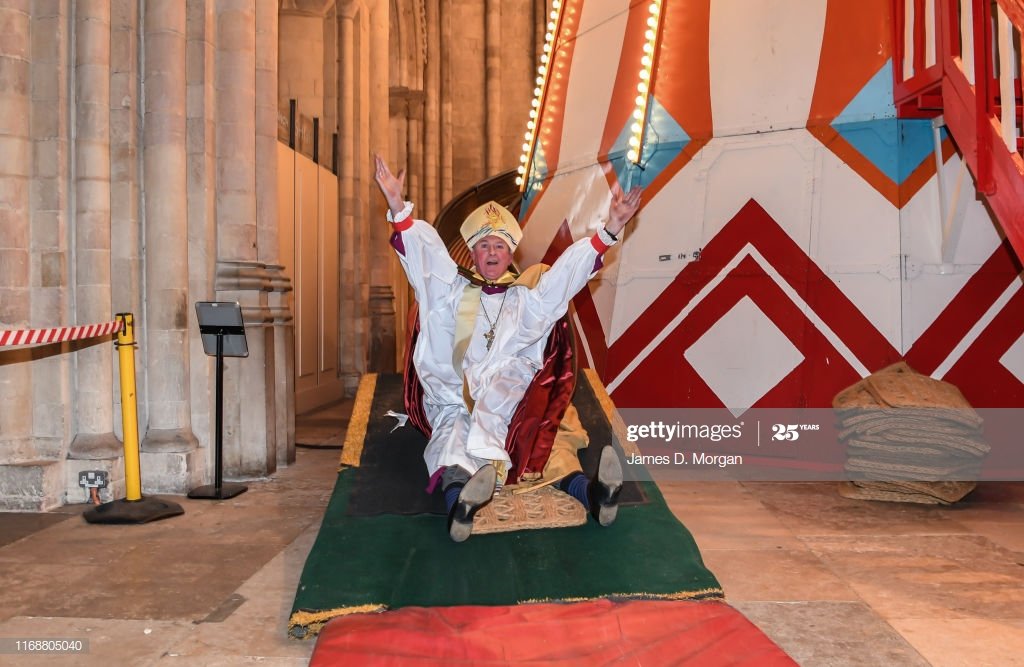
<point>465,316</point>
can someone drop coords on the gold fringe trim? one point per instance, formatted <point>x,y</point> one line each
<point>314,621</point>
<point>610,411</point>
<point>352,450</point>
<point>703,594</point>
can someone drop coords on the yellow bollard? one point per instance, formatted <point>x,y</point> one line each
<point>129,410</point>
<point>133,508</point>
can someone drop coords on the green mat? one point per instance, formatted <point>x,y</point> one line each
<point>361,564</point>
<point>373,563</point>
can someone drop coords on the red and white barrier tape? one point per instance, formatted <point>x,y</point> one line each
<point>57,335</point>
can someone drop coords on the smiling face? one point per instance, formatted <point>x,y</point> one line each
<point>492,257</point>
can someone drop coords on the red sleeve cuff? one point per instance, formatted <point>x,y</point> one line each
<point>598,244</point>
<point>403,225</point>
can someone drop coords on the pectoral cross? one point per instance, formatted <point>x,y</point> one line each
<point>489,337</point>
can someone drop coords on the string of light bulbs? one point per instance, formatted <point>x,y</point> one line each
<point>554,27</point>
<point>646,83</point>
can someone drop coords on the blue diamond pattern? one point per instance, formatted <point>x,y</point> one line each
<point>896,146</point>
<point>663,142</point>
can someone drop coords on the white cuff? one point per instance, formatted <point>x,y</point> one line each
<point>403,214</point>
<point>606,238</point>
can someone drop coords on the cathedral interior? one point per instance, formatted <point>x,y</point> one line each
<point>803,232</point>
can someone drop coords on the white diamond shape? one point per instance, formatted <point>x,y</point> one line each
<point>1013,359</point>
<point>742,356</point>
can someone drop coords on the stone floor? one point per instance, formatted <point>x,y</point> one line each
<point>834,581</point>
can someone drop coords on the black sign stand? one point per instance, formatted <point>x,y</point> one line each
<point>223,333</point>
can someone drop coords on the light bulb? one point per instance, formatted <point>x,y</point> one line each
<point>632,155</point>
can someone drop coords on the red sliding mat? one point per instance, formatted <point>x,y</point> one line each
<point>597,632</point>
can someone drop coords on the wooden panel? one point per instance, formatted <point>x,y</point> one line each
<point>286,211</point>
<point>306,272</point>
<point>330,255</point>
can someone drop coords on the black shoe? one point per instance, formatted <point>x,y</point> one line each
<point>477,492</point>
<point>604,489</point>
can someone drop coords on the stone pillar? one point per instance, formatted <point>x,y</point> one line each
<point>492,84</point>
<point>52,414</point>
<point>200,122</point>
<point>329,119</point>
<point>15,173</point>
<point>250,416</point>
<point>381,294</point>
<point>282,380</point>
<point>169,443</point>
<point>447,175</point>
<point>125,215</point>
<point>353,123</point>
<point>284,364</point>
<point>249,406</point>
<point>301,57</point>
<point>95,438</point>
<point>236,130</point>
<point>266,131</point>
<point>432,113</point>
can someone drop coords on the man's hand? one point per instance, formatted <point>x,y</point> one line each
<point>391,186</point>
<point>623,208</point>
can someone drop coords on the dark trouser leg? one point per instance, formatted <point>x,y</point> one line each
<point>472,494</point>
<point>452,480</point>
<point>600,496</point>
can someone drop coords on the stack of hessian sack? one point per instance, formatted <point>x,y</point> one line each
<point>908,438</point>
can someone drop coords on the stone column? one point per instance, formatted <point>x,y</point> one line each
<point>301,58</point>
<point>282,380</point>
<point>353,123</point>
<point>125,173</point>
<point>381,293</point>
<point>266,131</point>
<point>492,84</point>
<point>168,310</point>
<point>447,175</point>
<point>432,113</point>
<point>15,173</point>
<point>200,125</point>
<point>52,413</point>
<point>95,438</point>
<point>249,410</point>
<point>236,130</point>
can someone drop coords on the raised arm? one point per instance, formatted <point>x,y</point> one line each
<point>391,186</point>
<point>424,257</point>
<point>622,208</point>
<point>576,266</point>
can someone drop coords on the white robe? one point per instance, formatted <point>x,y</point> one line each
<point>497,378</point>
